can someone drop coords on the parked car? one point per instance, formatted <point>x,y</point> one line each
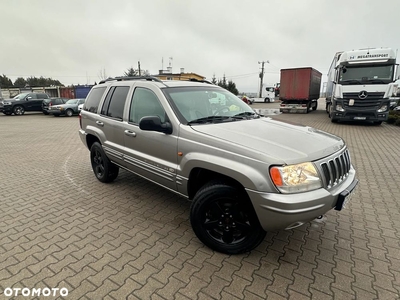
<point>68,109</point>
<point>23,102</point>
<point>80,106</point>
<point>247,100</point>
<point>47,103</point>
<point>245,174</point>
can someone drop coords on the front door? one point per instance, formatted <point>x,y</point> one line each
<point>149,153</point>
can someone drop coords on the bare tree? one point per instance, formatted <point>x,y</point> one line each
<point>103,74</point>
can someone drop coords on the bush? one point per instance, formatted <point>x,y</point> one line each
<point>394,117</point>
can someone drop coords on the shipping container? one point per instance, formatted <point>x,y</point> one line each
<point>67,92</point>
<point>81,91</point>
<point>299,89</point>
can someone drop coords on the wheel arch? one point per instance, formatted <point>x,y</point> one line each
<point>200,176</point>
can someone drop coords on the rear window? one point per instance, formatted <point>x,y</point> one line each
<point>93,99</point>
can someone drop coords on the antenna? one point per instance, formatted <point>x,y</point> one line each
<point>170,62</point>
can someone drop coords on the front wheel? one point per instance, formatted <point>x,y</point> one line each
<point>104,170</point>
<point>223,218</point>
<point>18,110</point>
<point>267,100</point>
<point>69,112</point>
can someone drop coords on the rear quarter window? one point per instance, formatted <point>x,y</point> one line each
<point>93,99</point>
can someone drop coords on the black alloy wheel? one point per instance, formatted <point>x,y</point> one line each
<point>18,110</point>
<point>223,219</point>
<point>104,170</point>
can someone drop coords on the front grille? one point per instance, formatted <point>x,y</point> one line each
<point>366,104</point>
<point>335,169</point>
<point>371,96</point>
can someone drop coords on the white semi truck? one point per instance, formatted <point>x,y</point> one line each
<point>360,85</point>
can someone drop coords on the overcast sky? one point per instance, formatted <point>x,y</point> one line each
<point>76,41</point>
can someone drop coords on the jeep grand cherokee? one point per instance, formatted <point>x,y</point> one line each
<point>245,173</point>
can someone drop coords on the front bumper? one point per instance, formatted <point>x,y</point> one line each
<point>56,112</point>
<point>360,115</point>
<point>284,211</point>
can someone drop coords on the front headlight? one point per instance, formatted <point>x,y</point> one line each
<point>383,108</point>
<point>6,103</point>
<point>296,178</point>
<point>339,107</point>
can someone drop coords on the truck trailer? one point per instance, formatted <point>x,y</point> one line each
<point>299,89</point>
<point>361,84</point>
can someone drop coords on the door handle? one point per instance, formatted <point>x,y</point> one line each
<point>100,123</point>
<point>130,133</point>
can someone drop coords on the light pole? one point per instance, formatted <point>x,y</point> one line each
<point>262,75</point>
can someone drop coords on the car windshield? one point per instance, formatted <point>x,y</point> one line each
<point>380,74</point>
<point>20,96</point>
<point>72,101</point>
<point>209,104</point>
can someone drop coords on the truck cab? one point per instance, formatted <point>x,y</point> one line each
<point>361,84</point>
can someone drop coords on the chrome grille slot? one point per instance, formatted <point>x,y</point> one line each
<point>335,169</point>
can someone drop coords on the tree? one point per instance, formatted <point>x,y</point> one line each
<point>131,72</point>
<point>34,81</point>
<point>5,82</point>
<point>232,87</point>
<point>214,80</point>
<point>135,72</point>
<point>20,82</point>
<point>103,74</point>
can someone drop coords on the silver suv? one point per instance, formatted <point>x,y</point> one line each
<point>245,173</point>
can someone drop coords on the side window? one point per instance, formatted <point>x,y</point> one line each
<point>93,100</point>
<point>58,101</point>
<point>145,103</point>
<point>106,102</point>
<point>115,101</point>
<point>31,97</point>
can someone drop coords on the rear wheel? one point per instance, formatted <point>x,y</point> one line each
<point>223,218</point>
<point>315,106</point>
<point>104,170</point>
<point>18,110</point>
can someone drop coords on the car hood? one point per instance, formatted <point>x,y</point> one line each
<point>279,140</point>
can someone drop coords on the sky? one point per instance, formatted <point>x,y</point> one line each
<point>80,41</point>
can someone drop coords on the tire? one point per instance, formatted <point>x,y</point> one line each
<point>377,122</point>
<point>18,110</point>
<point>45,113</point>
<point>267,100</point>
<point>69,113</point>
<point>315,106</point>
<point>328,110</point>
<point>223,218</point>
<point>334,120</point>
<point>104,170</point>
<point>7,113</point>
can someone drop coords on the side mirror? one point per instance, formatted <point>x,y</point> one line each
<point>28,98</point>
<point>153,123</point>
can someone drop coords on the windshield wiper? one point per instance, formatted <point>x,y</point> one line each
<point>374,81</point>
<point>247,114</point>
<point>209,119</point>
<point>350,81</point>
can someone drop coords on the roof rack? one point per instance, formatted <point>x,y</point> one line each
<point>202,80</point>
<point>123,78</point>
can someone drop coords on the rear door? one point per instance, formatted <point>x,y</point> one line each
<point>149,153</point>
<point>111,121</point>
